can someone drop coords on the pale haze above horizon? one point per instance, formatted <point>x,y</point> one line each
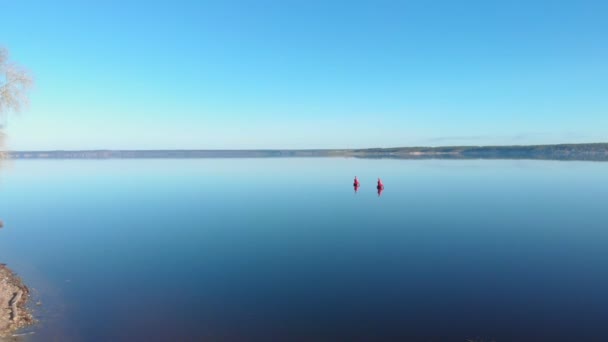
<point>308,74</point>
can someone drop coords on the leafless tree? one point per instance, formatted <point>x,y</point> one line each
<point>15,83</point>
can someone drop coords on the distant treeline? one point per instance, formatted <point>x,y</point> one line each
<point>597,151</point>
<point>118,154</point>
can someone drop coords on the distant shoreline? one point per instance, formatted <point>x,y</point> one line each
<point>595,151</point>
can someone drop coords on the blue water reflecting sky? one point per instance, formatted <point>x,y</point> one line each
<point>285,249</point>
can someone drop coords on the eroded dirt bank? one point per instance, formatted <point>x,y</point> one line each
<point>13,299</point>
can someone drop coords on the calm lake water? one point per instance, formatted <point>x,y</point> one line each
<point>284,249</point>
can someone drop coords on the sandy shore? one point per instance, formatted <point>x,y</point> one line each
<point>13,299</point>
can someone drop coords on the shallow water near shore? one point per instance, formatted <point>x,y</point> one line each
<point>284,249</point>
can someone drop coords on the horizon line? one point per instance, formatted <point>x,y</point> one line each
<point>297,149</point>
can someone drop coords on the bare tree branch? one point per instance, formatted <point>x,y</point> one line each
<point>15,83</point>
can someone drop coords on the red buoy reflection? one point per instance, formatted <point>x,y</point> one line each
<point>380,187</point>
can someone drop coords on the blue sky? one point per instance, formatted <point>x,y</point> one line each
<point>308,74</point>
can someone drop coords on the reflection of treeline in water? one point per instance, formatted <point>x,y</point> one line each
<point>557,152</point>
<point>597,151</point>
